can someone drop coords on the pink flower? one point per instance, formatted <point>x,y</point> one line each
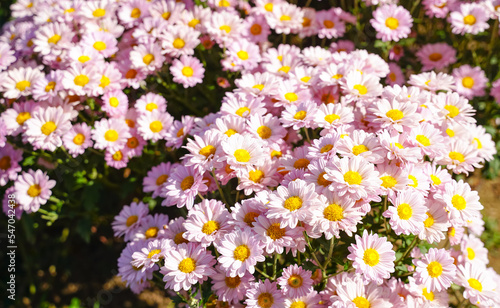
<point>469,18</point>
<point>436,56</point>
<point>435,270</point>
<point>295,282</point>
<point>470,81</point>
<point>392,22</point>
<point>188,71</point>
<point>32,189</point>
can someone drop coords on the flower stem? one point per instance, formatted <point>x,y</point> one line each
<point>221,192</point>
<point>405,254</point>
<point>262,273</point>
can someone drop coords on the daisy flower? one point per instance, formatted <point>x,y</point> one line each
<point>354,292</point>
<point>6,56</point>
<point>77,139</point>
<point>15,117</point>
<point>454,108</point>
<point>242,105</point>
<point>52,38</point>
<point>392,22</point>
<point>115,103</point>
<point>241,55</point>
<point>151,227</point>
<point>427,138</point>
<point>32,189</point>
<point>274,237</point>
<point>179,40</point>
<point>285,18</point>
<point>231,289</point>
<point>183,186</point>
<point>80,80</point>
<point>268,128</point>
<point>333,115</point>
<point>435,224</point>
<point>358,85</point>
<point>436,56</point>
<point>293,203</point>
<point>353,177</point>
<point>473,250</point>
<point>298,116</point>
<point>295,282</point>
<point>469,18</point>
<point>324,147</point>
<point>116,159</point>
<point>470,81</point>
<point>147,57</point>
<point>156,178</point>
<point>245,214</point>
<point>129,219</point>
<point>479,284</point>
<point>435,270</point>
<point>104,42</point>
<point>264,294</point>
<point>149,102</point>
<point>291,93</point>
<point>460,200</point>
<point>110,134</point>
<point>204,150</point>
<point>432,82</point>
<point>239,252</point>
<point>188,71</point>
<point>9,163</point>
<point>18,82</point>
<point>154,125</point>
<point>372,257</point>
<point>312,300</point>
<point>45,128</point>
<point>257,83</point>
<point>256,29</point>
<point>361,144</point>
<point>187,265</point>
<point>132,12</point>
<point>127,271</point>
<point>148,256</point>
<point>224,27</point>
<point>258,178</point>
<point>242,151</point>
<point>461,158</point>
<point>407,213</point>
<point>329,24</point>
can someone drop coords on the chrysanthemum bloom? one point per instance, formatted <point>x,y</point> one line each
<point>361,144</point>
<point>392,22</point>
<point>204,150</point>
<point>473,250</point>
<point>151,227</point>
<point>273,236</point>
<point>179,40</point>
<point>438,8</point>
<point>479,283</point>
<point>242,151</point>
<point>115,103</point>
<point>147,57</point>
<point>329,24</point>
<point>18,82</point>
<point>245,214</point>
<point>469,18</point>
<point>104,42</point>
<point>6,56</point>
<point>470,81</point>
<point>285,18</point>
<point>257,83</point>
<point>428,138</point>
<point>292,203</point>
<point>224,26</point>
<point>453,108</point>
<point>45,128</point>
<point>80,80</point>
<point>179,131</point>
<point>353,291</point>
<point>295,282</point>
<point>148,256</point>
<point>372,257</point>
<point>231,289</point>
<point>435,224</point>
<point>188,71</point>
<point>9,163</point>
<point>187,265</point>
<point>353,177</point>
<point>267,128</point>
<point>461,157</point>
<point>298,116</point>
<point>77,139</point>
<point>436,56</point>
<point>110,134</point>
<point>242,105</point>
<point>460,200</point>
<point>239,252</point>
<point>333,115</point>
<point>32,189</point>
<point>52,38</point>
<point>117,159</point>
<point>156,178</point>
<point>394,115</point>
<point>433,82</point>
<point>132,12</point>
<point>358,85</point>
<point>129,219</point>
<point>183,186</point>
<point>241,55</point>
<point>256,29</point>
<point>264,294</point>
<point>149,102</point>
<point>435,270</point>
<point>127,271</point>
<point>154,125</point>
<point>407,213</point>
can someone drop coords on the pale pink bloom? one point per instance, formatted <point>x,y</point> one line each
<point>298,116</point>
<point>188,71</point>
<point>454,108</point>
<point>231,289</point>
<point>52,38</point>
<point>154,125</point>
<point>245,214</point>
<point>473,251</point>
<point>147,57</point>
<point>394,178</point>
<point>32,189</point>
<point>257,83</point>
<point>436,56</point>
<point>353,290</point>
<point>204,151</point>
<point>6,56</point>
<point>428,138</point>
<point>127,271</point>
<point>256,29</point>
<point>179,131</point>
<point>324,147</point>
<point>291,93</point>
<point>129,219</point>
<point>169,11</point>
<point>99,9</point>
<point>242,151</point>
<point>329,24</point>
<point>18,82</point>
<point>435,270</point>
<point>183,186</point>
<point>242,105</point>
<point>460,200</point>
<point>470,81</point>
<point>372,257</point>
<point>295,282</point>
<point>455,234</point>
<point>407,213</point>
<point>187,265</point>
<point>438,8</point>
<point>266,128</point>
<point>258,178</point>
<point>273,236</point>
<point>77,139</point>
<point>115,103</point>
<point>132,12</point>
<point>330,116</point>
<point>241,55</point>
<point>394,115</point>
<point>361,144</point>
<point>285,18</point>
<point>469,18</point>
<point>48,87</point>
<point>461,157</point>
<point>9,163</point>
<point>151,227</point>
<point>45,129</point>
<point>148,256</point>
<point>117,159</point>
<point>396,75</point>
<point>479,283</point>
<point>264,294</point>
<point>179,40</point>
<point>80,80</point>
<point>392,22</point>
<point>316,56</point>
<point>224,27</point>
<point>105,43</point>
<point>358,85</point>
<point>435,224</point>
<point>110,134</point>
<point>15,117</point>
<point>156,178</point>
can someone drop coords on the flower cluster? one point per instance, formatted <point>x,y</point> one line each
<point>325,177</point>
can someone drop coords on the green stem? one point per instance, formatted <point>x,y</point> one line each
<point>405,254</point>
<point>262,273</point>
<point>221,192</point>
<point>330,252</point>
<point>307,134</point>
<point>386,224</point>
<point>313,254</point>
<point>275,263</point>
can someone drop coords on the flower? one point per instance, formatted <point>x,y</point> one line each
<point>188,71</point>
<point>154,125</point>
<point>470,81</point>
<point>231,289</point>
<point>32,189</point>
<point>479,284</point>
<point>129,219</point>
<point>182,187</point>
<point>9,163</point>
<point>46,127</point>
<point>264,294</point>
<point>242,151</point>
<point>110,134</point>
<point>469,18</point>
<point>295,282</point>
<point>372,257</point>
<point>77,139</point>
<point>407,213</point>
<point>148,256</point>
<point>435,270</point>
<point>436,56</point>
<point>392,22</point>
<point>187,265</point>
<point>460,201</point>
<point>18,82</point>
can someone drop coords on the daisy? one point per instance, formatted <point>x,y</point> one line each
<point>329,24</point>
<point>239,252</point>
<point>77,139</point>
<point>147,57</point>
<point>295,282</point>
<point>298,116</point>
<point>256,29</point>
<point>242,55</point>
<point>204,150</point>
<point>129,219</point>
<point>436,56</point>
<point>435,224</point>
<point>454,108</point>
<point>48,87</point>
<point>132,12</point>
<point>479,284</point>
<point>469,18</point>
<point>148,256</point>
<point>333,115</point>
<point>264,294</point>
<point>285,18</point>
<point>111,134</point>
<point>183,186</point>
<point>407,213</point>
<point>6,56</point>
<point>257,83</point>
<point>267,128</point>
<point>167,10</point>
<point>179,40</point>
<point>357,85</point>
<point>395,115</point>
<point>207,222</point>
<point>115,103</point>
<point>372,257</point>
<point>245,214</point>
<point>52,38</point>
<point>187,265</point>
<point>392,22</point>
<point>460,200</point>
<point>45,128</point>
<point>127,271</point>
<point>324,147</point>
<point>427,138</point>
<point>291,93</point>
<point>361,144</point>
<point>354,292</point>
<point>274,237</point>
<point>149,102</point>
<point>179,131</point>
<point>461,158</point>
<point>188,71</point>
<point>242,151</point>
<point>32,189</point>
<point>470,81</point>
<point>231,289</point>
<point>435,270</point>
<point>433,82</point>
<point>18,82</point>
<point>104,42</point>
<point>242,105</point>
<point>80,80</point>
<point>353,177</point>
<point>116,159</point>
<point>292,203</point>
<point>224,27</point>
<point>156,178</point>
<point>154,125</point>
<point>9,163</point>
<point>258,178</point>
<point>97,9</point>
<point>473,250</point>
<point>151,227</point>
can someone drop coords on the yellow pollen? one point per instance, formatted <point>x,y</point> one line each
<point>322,181</point>
<point>300,115</point>
<point>435,180</point>
<point>136,13</point>
<point>243,55</point>
<point>113,102</point>
<point>451,232</point>
<point>22,85</point>
<point>70,10</point>
<point>79,139</point>
<point>255,176</point>
<point>193,22</point>
<point>104,81</point>
<point>337,76</point>
<point>331,117</point>
<point>187,265</point>
<point>5,163</point>
<point>458,202</point>
<point>99,13</point>
<point>225,28</point>
<point>132,219</point>
<point>371,257</point>
<point>428,295</point>
<point>388,181</point>
<point>301,163</point>
<point>156,126</point>
<point>50,86</point>
<point>230,132</point>
<point>153,252</point>
<point>423,140</point>
<point>187,182</point>
<point>333,212</point>
<point>22,117</point>
<point>429,222</point>
<point>285,18</point>
<point>256,29</point>
<point>285,69</point>
<point>275,232</point>
<point>111,135</point>
<point>293,203</point>
<point>118,156</point>
<point>166,15</point>
<point>264,132</point>
<point>180,132</point>
<point>265,300</point>
<point>295,281</point>
<point>394,114</point>
<point>479,145</point>
<point>207,151</point>
<point>469,20</point>
<point>232,282</point>
<point>243,111</point>
<point>298,304</point>
<point>147,59</point>
<point>258,86</point>
<point>361,302</point>
<point>275,153</point>
<point>392,23</point>
<point>399,145</point>
<point>242,155</point>
<point>249,218</point>
<point>326,148</point>
<point>453,111</point>
<point>305,79</point>
<point>450,132</point>
<point>178,43</point>
<point>475,284</point>
<point>291,97</point>
<point>34,190</point>
<point>470,253</point>
<point>361,89</point>
<point>414,179</point>
<point>151,106</point>
<point>241,253</point>
<point>161,179</point>
<point>468,82</point>
<point>81,80</point>
<point>179,239</point>
<point>99,45</point>
<point>435,269</point>
<point>328,24</point>
<point>54,39</point>
<point>306,22</point>
<point>358,149</point>
<point>405,211</point>
<point>268,7</point>
<point>457,156</point>
<point>210,227</point>
<point>353,178</point>
<point>187,71</point>
<point>48,128</point>
<point>151,232</point>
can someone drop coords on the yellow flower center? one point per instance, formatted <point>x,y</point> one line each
<point>22,117</point>
<point>243,55</point>
<point>414,180</point>
<point>300,115</point>
<point>54,39</point>
<point>392,23</point>
<point>242,155</point>
<point>187,182</point>
<point>468,82</point>
<point>435,180</point>
<point>104,81</point>
<point>131,220</point>
<point>435,269</point>
<point>458,202</point>
<point>451,232</point>
<point>79,139</point>
<point>258,86</point>
<point>475,284</point>
<point>179,239</point>
<point>285,18</point>
<point>388,181</point>
<point>291,97</point>
<point>156,126</point>
<point>249,218</point>
<point>187,71</point>
<point>328,24</point>
<point>358,149</point>
<point>423,140</point>
<point>405,211</point>
<point>371,257</point>
<point>436,56</point>
<point>136,13</point>
<point>178,43</point>
<point>187,265</point>
<point>298,304</point>
<point>295,281</point>
<point>450,132</point>
<point>166,15</point>
<point>193,22</point>
<point>429,222</point>
<point>48,128</point>
<point>22,85</point>
<point>147,59</point>
<point>453,111</point>
<point>241,253</point>
<point>99,45</point>
<point>470,253</point>
<point>479,145</point>
<point>81,80</point>
<point>285,69</point>
<point>113,102</point>
<point>469,20</point>
<point>265,300</point>
<point>301,163</point>
<point>293,203</point>
<point>34,190</point>
<point>153,252</point>
<point>210,227</point>
<point>394,114</point>
<point>225,28</point>
<point>99,13</point>
<point>362,90</point>
<point>151,232</point>
<point>305,79</point>
<point>275,232</point>
<point>326,148</point>
<point>232,282</point>
<point>331,117</point>
<point>255,176</point>
<point>243,111</point>
<point>256,29</point>
<point>151,106</point>
<point>230,132</point>
<point>161,179</point>
<point>353,178</point>
<point>322,181</point>
<point>333,212</point>
<point>428,295</point>
<point>264,132</point>
<point>268,7</point>
<point>361,302</point>
<point>207,151</point>
<point>111,135</point>
<point>457,156</point>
